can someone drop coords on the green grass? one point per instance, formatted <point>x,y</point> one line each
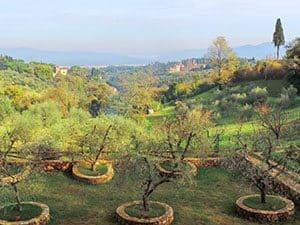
<point>209,200</point>
<point>159,115</point>
<point>10,213</point>
<point>138,211</point>
<point>272,203</point>
<point>86,169</point>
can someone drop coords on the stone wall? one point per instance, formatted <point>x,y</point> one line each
<point>56,165</point>
<point>94,179</point>
<point>285,188</point>
<point>204,162</point>
<point>125,219</point>
<point>265,215</point>
<point>43,219</point>
<point>13,179</point>
<point>283,184</point>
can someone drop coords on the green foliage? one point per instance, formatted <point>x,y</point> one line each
<point>288,96</point>
<point>90,137</point>
<point>42,70</point>
<point>223,61</point>
<point>293,65</point>
<point>186,130</point>
<point>98,97</point>
<point>47,112</point>
<point>179,91</point>
<point>78,71</point>
<point>293,49</point>
<point>6,108</point>
<point>258,95</point>
<point>19,66</point>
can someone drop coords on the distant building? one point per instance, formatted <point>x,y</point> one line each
<point>177,68</point>
<point>60,70</point>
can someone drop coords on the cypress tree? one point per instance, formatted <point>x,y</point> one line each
<point>278,36</point>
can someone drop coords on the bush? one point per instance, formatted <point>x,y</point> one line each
<point>246,112</point>
<point>291,92</point>
<point>240,98</point>
<point>288,96</point>
<point>258,95</point>
<point>284,101</point>
<point>6,108</point>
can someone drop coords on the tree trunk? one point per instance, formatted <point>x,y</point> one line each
<point>263,195</point>
<point>277,52</point>
<point>146,202</point>
<point>93,166</point>
<point>17,197</point>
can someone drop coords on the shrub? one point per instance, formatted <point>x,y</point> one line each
<point>240,97</point>
<point>258,95</point>
<point>291,92</point>
<point>287,96</point>
<point>246,112</point>
<point>284,101</point>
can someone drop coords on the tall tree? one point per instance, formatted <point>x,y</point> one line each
<point>278,36</point>
<point>219,55</point>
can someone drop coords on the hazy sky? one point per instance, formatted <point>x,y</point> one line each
<point>142,26</point>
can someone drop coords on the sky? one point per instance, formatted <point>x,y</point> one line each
<point>142,26</point>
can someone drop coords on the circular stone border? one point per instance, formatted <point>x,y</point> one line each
<point>125,219</point>
<point>93,179</point>
<point>42,219</point>
<point>13,179</point>
<point>265,215</point>
<point>193,171</point>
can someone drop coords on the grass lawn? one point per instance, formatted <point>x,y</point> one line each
<point>86,169</point>
<point>10,213</point>
<point>208,201</point>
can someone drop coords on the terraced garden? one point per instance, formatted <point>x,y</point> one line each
<point>208,201</point>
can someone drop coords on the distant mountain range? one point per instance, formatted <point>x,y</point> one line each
<point>99,58</point>
<point>71,57</point>
<point>264,50</point>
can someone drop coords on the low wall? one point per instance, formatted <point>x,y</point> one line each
<point>13,179</point>
<point>204,162</point>
<point>125,219</point>
<point>42,219</point>
<point>280,184</point>
<point>265,215</point>
<point>56,165</point>
<point>286,188</point>
<point>101,179</point>
<point>283,184</point>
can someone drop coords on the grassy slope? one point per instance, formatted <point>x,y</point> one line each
<point>229,123</point>
<point>209,201</point>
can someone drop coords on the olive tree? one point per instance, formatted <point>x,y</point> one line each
<point>186,129</point>
<point>140,164</point>
<point>94,136</point>
<point>263,143</point>
<point>16,136</point>
<point>51,133</point>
